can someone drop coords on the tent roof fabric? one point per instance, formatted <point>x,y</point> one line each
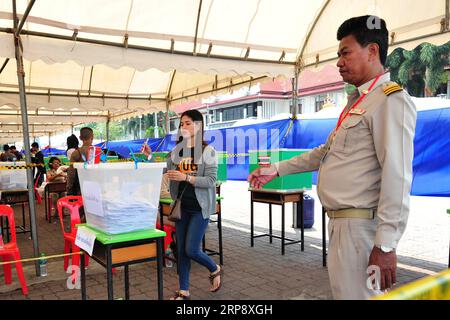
<point>129,57</point>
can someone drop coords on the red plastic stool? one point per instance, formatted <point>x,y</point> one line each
<point>168,238</point>
<point>10,251</point>
<point>73,204</point>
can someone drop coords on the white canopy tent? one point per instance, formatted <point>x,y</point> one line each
<point>116,59</point>
<point>129,57</point>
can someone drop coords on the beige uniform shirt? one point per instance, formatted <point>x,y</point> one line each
<point>368,164</point>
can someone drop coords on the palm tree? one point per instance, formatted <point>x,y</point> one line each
<point>421,70</point>
<point>132,127</point>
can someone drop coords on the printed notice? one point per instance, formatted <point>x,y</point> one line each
<point>92,198</point>
<point>85,239</point>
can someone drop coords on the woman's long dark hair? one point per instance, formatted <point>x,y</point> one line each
<point>196,116</point>
<point>72,142</point>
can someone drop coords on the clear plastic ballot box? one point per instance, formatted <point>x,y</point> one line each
<point>14,176</point>
<point>120,197</point>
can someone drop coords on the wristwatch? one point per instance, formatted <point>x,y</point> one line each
<point>386,249</point>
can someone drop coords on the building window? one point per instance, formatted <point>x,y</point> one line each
<point>252,110</point>
<point>320,101</point>
<point>233,113</point>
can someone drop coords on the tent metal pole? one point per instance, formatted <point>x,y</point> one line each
<point>24,17</point>
<point>167,118</point>
<point>390,45</point>
<point>115,44</point>
<point>218,89</point>
<point>26,141</point>
<point>4,65</point>
<point>155,124</point>
<point>447,14</point>
<point>85,96</point>
<point>107,127</point>
<point>194,52</point>
<point>169,90</point>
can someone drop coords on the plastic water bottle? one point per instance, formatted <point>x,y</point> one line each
<point>169,254</point>
<point>43,266</point>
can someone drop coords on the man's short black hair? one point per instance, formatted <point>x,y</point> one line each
<point>366,30</point>
<point>5,147</point>
<point>12,148</point>
<point>35,145</point>
<point>86,133</point>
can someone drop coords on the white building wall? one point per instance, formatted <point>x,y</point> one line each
<point>271,108</point>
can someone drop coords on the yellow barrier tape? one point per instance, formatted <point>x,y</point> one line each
<point>42,258</point>
<point>32,165</point>
<point>436,287</point>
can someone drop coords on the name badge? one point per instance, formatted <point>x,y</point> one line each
<point>357,111</point>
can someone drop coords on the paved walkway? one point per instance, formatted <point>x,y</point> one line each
<point>260,272</point>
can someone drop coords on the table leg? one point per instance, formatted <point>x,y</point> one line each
<point>109,275</point>
<point>7,230</point>
<point>82,277</point>
<point>1,226</point>
<point>219,224</point>
<point>324,239</point>
<point>251,221</point>
<point>282,229</point>
<point>127,284</point>
<point>161,218</point>
<point>24,221</point>
<point>159,266</point>
<point>302,222</point>
<point>45,205</point>
<point>270,222</point>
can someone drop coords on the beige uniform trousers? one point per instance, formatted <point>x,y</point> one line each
<point>350,245</point>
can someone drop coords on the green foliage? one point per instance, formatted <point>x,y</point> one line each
<point>421,70</point>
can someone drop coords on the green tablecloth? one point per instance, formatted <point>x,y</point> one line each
<point>107,238</point>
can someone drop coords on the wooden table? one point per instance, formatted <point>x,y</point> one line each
<point>277,197</point>
<point>125,249</point>
<point>13,197</point>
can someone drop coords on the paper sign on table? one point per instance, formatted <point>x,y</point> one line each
<point>85,239</point>
<point>92,198</point>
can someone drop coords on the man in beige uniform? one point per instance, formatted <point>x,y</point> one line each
<point>365,166</point>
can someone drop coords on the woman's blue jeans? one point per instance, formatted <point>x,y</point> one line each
<point>189,234</point>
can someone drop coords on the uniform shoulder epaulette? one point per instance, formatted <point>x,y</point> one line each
<point>391,87</point>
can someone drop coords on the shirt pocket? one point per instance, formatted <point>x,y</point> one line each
<point>347,135</point>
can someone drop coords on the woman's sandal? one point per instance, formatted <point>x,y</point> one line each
<point>215,275</point>
<point>179,296</point>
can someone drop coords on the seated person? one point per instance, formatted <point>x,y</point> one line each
<point>7,155</point>
<point>14,151</point>
<point>57,173</point>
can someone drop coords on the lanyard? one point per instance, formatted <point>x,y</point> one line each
<point>342,116</point>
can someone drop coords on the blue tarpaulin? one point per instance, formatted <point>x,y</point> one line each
<point>53,152</point>
<point>122,148</point>
<point>431,164</point>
